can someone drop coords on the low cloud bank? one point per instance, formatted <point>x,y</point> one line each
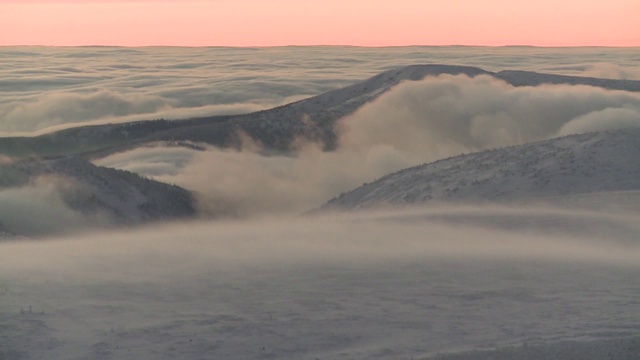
<point>59,111</point>
<point>607,70</point>
<point>447,115</point>
<point>60,108</point>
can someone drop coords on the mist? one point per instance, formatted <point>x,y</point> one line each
<point>457,233</point>
<point>38,209</point>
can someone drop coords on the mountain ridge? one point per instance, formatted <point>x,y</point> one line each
<point>276,128</point>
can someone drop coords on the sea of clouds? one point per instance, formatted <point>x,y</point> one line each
<point>416,122</point>
<point>47,88</point>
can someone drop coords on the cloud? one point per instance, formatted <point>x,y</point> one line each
<point>607,70</point>
<point>167,113</point>
<point>60,111</point>
<point>56,109</point>
<point>365,237</point>
<point>446,115</point>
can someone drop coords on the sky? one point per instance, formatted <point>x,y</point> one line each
<point>320,22</point>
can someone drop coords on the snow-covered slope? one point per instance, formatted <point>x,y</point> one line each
<point>578,164</point>
<point>101,196</point>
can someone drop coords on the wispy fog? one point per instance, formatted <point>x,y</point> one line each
<point>404,235</point>
<point>48,88</point>
<point>38,209</point>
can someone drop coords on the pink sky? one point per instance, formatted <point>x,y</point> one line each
<point>321,22</point>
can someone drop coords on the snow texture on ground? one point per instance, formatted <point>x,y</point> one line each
<point>389,286</point>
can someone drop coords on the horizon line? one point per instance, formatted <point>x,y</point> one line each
<point>321,45</point>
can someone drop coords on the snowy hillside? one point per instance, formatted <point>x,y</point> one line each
<point>578,164</point>
<point>97,195</point>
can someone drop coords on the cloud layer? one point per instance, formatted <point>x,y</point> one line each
<point>414,123</point>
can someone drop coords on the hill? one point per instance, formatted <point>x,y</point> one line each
<point>73,193</point>
<point>578,164</point>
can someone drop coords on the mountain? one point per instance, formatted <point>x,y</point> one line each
<point>99,196</point>
<point>275,128</point>
<point>578,164</point>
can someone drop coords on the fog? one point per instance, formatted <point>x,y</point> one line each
<point>44,89</point>
<point>413,123</point>
<point>459,233</point>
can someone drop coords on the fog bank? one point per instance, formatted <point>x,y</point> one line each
<point>459,233</point>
